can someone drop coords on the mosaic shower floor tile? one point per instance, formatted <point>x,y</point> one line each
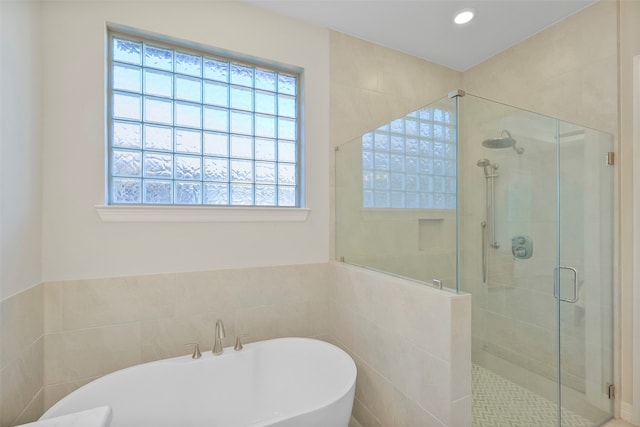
<point>498,402</point>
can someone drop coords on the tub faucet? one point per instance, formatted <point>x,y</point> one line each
<point>217,342</point>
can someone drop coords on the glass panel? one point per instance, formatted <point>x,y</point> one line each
<point>241,147</point>
<point>265,149</point>
<point>125,190</point>
<point>385,198</point>
<point>158,83</point>
<point>265,102</point>
<point>188,193</point>
<point>157,191</point>
<point>179,117</point>
<point>216,93</point>
<point>188,88</point>
<point>188,167</point>
<point>127,51</point>
<point>241,122</point>
<point>265,195</point>
<point>158,138</point>
<point>126,77</point>
<point>126,163</point>
<point>241,75</point>
<point>241,194</point>
<point>126,106</point>
<point>216,169</point>
<point>157,57</point>
<point>126,135</point>
<point>188,115</point>
<point>158,110</point>
<point>158,165</point>
<point>216,119</point>
<point>510,232</point>
<point>216,144</point>
<point>216,193</point>
<point>586,273</point>
<point>286,84</point>
<point>188,64</point>
<point>265,80</point>
<point>188,141</point>
<point>241,98</point>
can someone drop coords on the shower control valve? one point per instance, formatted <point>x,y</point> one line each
<point>522,247</point>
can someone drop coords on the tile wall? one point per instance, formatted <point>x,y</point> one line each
<point>21,355</point>
<point>93,327</point>
<point>411,344</point>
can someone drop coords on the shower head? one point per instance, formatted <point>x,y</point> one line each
<point>505,140</point>
<point>489,168</point>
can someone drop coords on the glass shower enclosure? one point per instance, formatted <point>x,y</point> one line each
<point>515,208</point>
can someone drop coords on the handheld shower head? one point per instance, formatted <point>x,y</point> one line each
<point>489,169</point>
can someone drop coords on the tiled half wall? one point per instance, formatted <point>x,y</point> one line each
<point>411,343</point>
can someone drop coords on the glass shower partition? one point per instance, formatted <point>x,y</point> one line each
<point>396,197</point>
<point>542,317</point>
<point>515,208</point>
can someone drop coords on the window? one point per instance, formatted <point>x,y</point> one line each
<point>194,128</point>
<point>411,162</point>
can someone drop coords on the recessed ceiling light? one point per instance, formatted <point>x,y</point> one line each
<point>463,16</point>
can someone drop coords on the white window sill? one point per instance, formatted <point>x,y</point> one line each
<point>142,213</point>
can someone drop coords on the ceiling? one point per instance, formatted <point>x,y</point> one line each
<point>425,28</point>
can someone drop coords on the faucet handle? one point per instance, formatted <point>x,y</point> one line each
<point>238,345</point>
<point>220,329</point>
<point>196,350</point>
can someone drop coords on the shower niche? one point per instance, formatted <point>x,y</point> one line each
<point>511,206</point>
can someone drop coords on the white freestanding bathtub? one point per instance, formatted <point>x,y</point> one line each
<point>285,382</point>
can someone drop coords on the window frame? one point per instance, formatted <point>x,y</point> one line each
<point>142,211</point>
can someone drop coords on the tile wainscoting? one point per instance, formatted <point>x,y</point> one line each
<point>59,336</point>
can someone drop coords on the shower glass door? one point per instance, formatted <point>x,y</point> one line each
<point>585,273</point>
<point>536,254</point>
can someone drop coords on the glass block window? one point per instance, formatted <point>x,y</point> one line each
<point>192,128</point>
<point>411,162</point>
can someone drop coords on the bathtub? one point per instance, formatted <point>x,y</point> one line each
<point>285,382</point>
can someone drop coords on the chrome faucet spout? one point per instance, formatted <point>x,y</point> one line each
<point>217,342</point>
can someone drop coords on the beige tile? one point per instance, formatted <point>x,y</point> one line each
<point>342,323</point>
<point>375,392</point>
<point>161,339</point>
<point>376,347</point>
<point>618,423</point>
<point>21,381</point>
<point>461,415</point>
<point>104,302</point>
<point>218,291</point>
<point>304,319</point>
<point>34,410</point>
<point>461,346</point>
<point>296,283</point>
<point>87,353</point>
<point>407,413</point>
<point>362,414</point>
<point>53,393</point>
<point>354,423</point>
<point>52,295</point>
<point>21,324</point>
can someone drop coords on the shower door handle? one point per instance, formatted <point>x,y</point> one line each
<point>556,284</point>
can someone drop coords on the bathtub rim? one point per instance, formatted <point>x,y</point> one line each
<point>229,352</point>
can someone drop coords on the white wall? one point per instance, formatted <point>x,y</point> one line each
<point>77,244</point>
<point>20,147</point>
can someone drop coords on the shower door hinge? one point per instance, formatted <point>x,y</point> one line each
<point>611,158</point>
<point>611,391</point>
